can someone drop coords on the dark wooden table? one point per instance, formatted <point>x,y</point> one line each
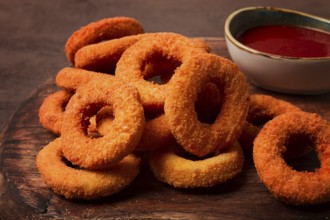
<point>33,34</point>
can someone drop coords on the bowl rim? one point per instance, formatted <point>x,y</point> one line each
<point>250,50</point>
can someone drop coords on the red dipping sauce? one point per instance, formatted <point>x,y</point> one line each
<point>287,41</point>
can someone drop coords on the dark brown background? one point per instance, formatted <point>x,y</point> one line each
<point>33,34</point>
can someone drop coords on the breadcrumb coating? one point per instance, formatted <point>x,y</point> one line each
<point>132,64</point>
<point>104,29</point>
<point>75,183</point>
<point>199,138</point>
<point>169,167</point>
<point>288,185</point>
<point>127,128</point>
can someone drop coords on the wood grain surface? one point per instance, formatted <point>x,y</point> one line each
<point>23,194</point>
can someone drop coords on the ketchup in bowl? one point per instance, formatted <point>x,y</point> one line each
<point>289,41</point>
<point>288,51</point>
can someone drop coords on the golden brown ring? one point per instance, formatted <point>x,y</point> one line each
<point>127,127</point>
<point>288,185</point>
<point>196,137</point>
<point>72,78</point>
<point>104,29</point>
<point>132,64</point>
<point>103,56</point>
<point>171,168</point>
<point>75,183</point>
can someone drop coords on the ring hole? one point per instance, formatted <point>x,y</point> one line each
<point>69,164</point>
<point>104,119</point>
<point>208,103</point>
<point>159,69</point>
<point>260,120</point>
<point>94,115</point>
<point>188,156</point>
<point>301,154</point>
<point>150,115</point>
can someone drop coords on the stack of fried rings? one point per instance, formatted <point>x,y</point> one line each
<point>124,131</point>
<point>176,113</point>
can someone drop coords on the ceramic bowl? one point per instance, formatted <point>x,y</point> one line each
<point>274,72</point>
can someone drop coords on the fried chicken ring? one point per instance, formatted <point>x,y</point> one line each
<point>132,64</point>
<point>286,184</point>
<point>75,183</point>
<point>104,29</point>
<point>127,126</point>
<point>52,109</point>
<point>199,138</point>
<point>103,56</point>
<point>72,78</point>
<point>170,167</point>
<point>262,109</point>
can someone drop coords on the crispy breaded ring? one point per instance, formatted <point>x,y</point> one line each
<point>103,56</point>
<point>164,67</point>
<point>196,137</point>
<point>75,183</point>
<point>262,109</point>
<point>52,110</point>
<point>131,66</point>
<point>127,127</point>
<point>104,29</point>
<point>72,78</point>
<point>171,168</point>
<point>286,184</point>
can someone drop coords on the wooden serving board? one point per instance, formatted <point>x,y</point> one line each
<point>25,196</point>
